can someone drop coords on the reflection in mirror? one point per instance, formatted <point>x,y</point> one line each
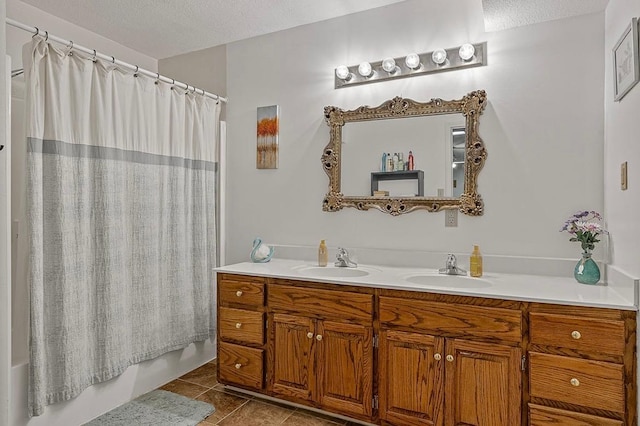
<point>443,137</point>
<point>457,161</point>
<point>428,138</point>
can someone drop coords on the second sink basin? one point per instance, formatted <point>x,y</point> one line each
<point>450,281</point>
<point>332,272</point>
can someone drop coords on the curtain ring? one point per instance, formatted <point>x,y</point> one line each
<point>37,32</point>
<point>157,78</point>
<point>47,37</point>
<point>94,59</point>
<point>135,74</point>
<point>113,60</point>
<point>70,46</point>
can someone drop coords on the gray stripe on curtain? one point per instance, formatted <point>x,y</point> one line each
<point>106,153</point>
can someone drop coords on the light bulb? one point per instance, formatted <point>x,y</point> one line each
<point>342,72</point>
<point>466,51</point>
<point>364,69</point>
<point>439,56</point>
<point>389,65</point>
<point>412,60</point>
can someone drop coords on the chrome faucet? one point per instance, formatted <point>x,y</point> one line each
<point>343,260</point>
<point>451,267</point>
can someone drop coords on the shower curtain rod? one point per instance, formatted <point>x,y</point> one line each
<point>111,59</point>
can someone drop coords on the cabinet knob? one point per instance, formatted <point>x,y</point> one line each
<point>238,366</point>
<point>310,335</point>
<point>319,337</point>
<point>575,382</point>
<point>238,325</point>
<point>450,358</point>
<point>239,293</point>
<point>437,357</point>
<point>576,334</point>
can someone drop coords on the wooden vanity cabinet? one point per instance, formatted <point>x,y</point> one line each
<point>321,347</point>
<point>394,357</point>
<point>582,364</point>
<point>445,361</point>
<point>241,331</point>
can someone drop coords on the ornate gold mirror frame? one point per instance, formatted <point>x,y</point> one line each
<point>470,202</point>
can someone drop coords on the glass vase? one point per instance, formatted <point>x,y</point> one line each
<point>587,270</point>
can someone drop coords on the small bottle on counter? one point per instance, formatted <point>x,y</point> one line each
<point>383,163</point>
<point>323,254</point>
<point>410,161</point>
<point>389,163</point>
<point>401,161</point>
<point>475,263</point>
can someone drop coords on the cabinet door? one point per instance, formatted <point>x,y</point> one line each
<point>293,357</point>
<point>411,378</point>
<point>345,367</point>
<point>483,384</point>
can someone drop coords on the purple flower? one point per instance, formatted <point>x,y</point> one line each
<point>584,228</point>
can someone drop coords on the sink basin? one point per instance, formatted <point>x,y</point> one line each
<point>332,272</point>
<point>449,281</point>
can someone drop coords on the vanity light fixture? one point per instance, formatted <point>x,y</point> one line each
<point>439,56</point>
<point>466,51</point>
<point>412,61</point>
<point>413,64</point>
<point>389,65</point>
<point>365,70</point>
<point>343,73</point>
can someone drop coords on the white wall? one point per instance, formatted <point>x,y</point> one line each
<point>543,129</point>
<point>137,379</point>
<point>5,285</point>
<point>622,128</point>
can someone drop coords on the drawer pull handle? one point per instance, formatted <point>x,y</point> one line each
<point>575,382</point>
<point>450,358</point>
<point>319,337</point>
<point>437,357</point>
<point>238,325</point>
<point>310,335</point>
<point>239,293</point>
<point>576,334</point>
<point>238,366</point>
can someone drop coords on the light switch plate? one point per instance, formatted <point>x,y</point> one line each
<point>623,176</point>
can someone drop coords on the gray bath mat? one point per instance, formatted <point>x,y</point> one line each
<point>157,408</point>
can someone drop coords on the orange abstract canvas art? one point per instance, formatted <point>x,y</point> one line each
<point>267,133</point>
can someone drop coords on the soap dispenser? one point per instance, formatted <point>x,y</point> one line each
<point>475,263</point>
<point>323,254</point>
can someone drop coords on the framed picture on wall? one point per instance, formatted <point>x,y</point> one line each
<point>626,68</point>
<point>268,131</point>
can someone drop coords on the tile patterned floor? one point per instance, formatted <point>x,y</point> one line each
<point>237,409</point>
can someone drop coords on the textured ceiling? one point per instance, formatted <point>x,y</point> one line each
<point>503,14</point>
<point>163,28</point>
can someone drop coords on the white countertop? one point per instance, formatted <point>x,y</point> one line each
<point>531,288</point>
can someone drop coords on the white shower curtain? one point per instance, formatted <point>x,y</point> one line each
<point>121,176</point>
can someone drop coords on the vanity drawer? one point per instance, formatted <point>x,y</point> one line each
<point>321,303</point>
<point>547,416</point>
<point>240,325</point>
<point>240,365</point>
<point>587,383</point>
<point>240,290</point>
<point>586,334</point>
<point>455,319</point>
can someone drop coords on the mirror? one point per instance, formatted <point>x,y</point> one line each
<point>447,155</point>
